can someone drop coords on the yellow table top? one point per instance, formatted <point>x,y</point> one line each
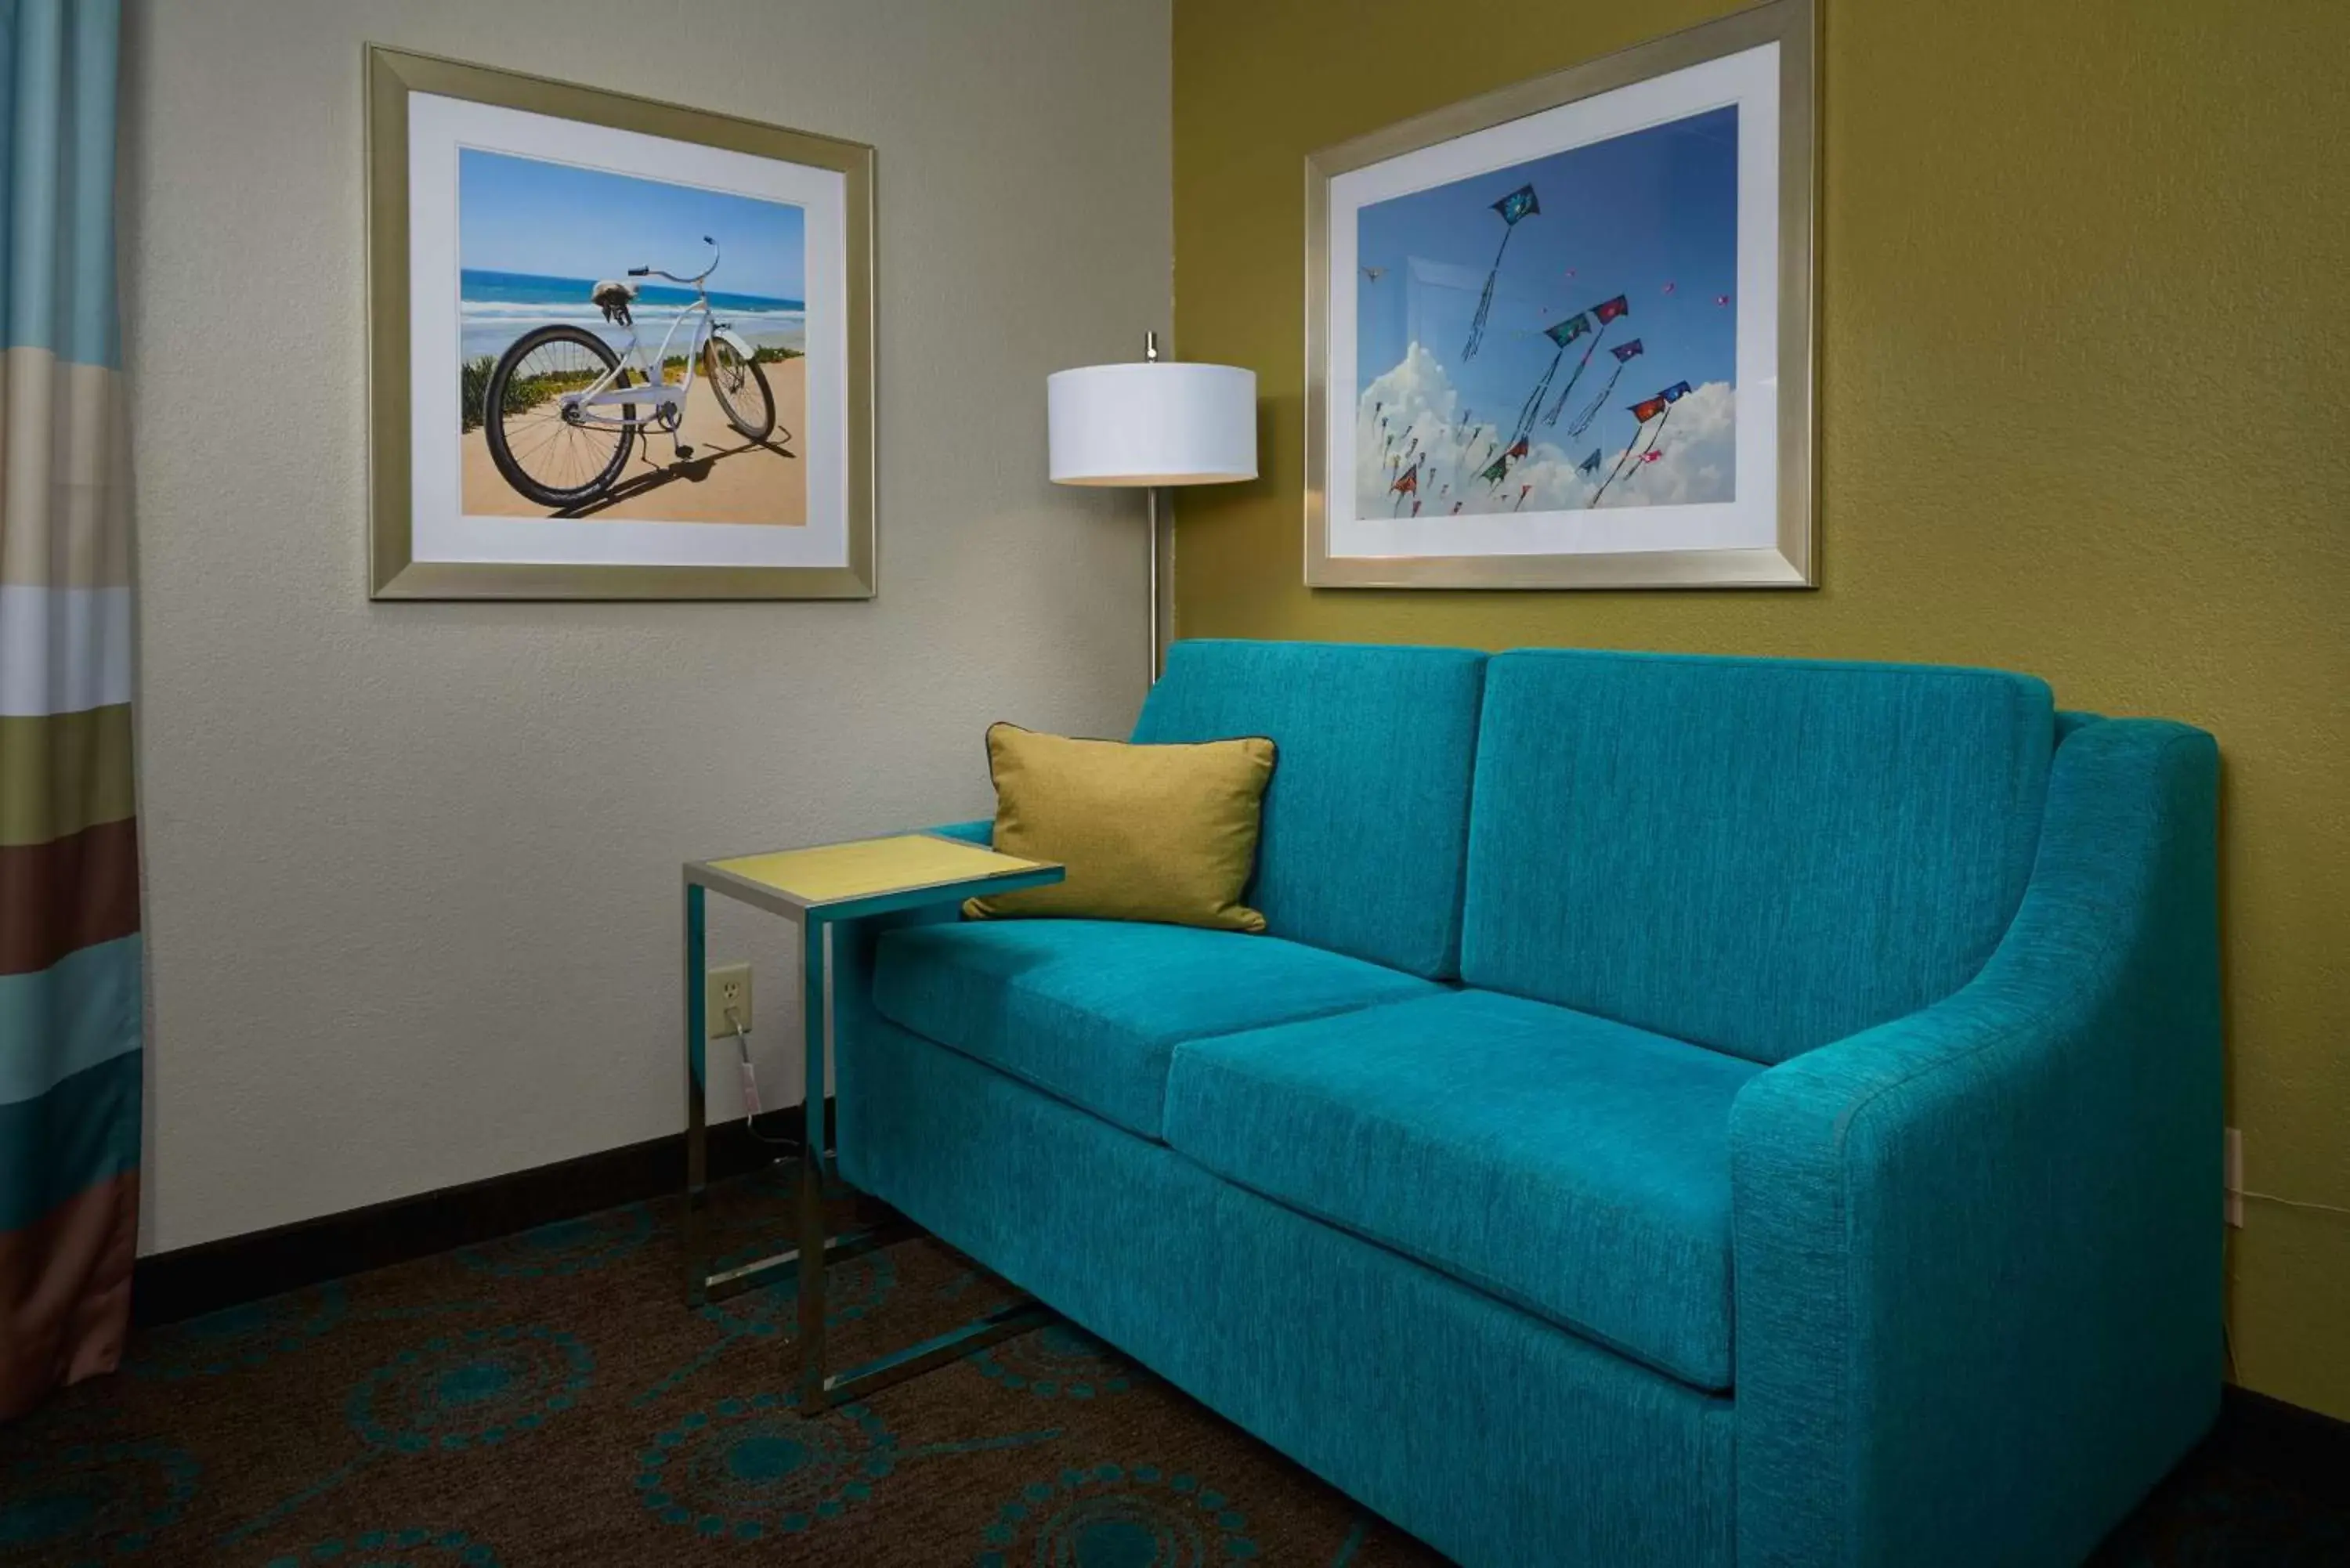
<point>866,868</point>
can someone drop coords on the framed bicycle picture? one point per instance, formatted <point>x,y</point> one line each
<point>1561,336</point>
<point>618,350</point>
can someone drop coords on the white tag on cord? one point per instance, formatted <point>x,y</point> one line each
<point>750,1090</point>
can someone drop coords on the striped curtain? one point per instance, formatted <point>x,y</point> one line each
<point>69,953</point>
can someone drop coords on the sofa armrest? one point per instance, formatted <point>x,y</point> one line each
<point>1978,1249</point>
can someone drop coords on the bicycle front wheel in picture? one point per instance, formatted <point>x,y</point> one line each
<point>741,388</point>
<point>556,454</point>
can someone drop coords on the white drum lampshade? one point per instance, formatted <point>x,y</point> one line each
<point>1152,422</point>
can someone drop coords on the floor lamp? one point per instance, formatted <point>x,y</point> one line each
<point>1152,423</point>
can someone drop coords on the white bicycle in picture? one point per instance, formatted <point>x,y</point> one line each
<point>562,407</point>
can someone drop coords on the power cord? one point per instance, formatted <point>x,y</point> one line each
<point>2292,1202</point>
<point>751,1090</point>
<point>2227,1338</point>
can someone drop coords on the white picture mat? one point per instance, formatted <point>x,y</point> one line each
<point>437,127</point>
<point>1749,79</point>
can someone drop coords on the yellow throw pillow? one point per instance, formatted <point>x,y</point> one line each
<point>1147,833</point>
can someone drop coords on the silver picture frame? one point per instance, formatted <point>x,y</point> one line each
<point>395,570</point>
<point>1791,560</point>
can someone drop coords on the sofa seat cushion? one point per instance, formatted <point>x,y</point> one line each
<point>1572,1167</point>
<point>1089,1010</point>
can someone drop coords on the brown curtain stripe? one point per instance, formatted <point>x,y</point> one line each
<point>69,893</point>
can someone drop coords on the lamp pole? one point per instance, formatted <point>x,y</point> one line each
<point>1151,511</point>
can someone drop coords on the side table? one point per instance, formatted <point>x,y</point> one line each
<point>817,887</point>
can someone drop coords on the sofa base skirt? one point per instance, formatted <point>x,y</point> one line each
<point>1495,1438</point>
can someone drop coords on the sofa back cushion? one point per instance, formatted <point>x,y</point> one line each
<point>1760,855</point>
<point>1367,820</point>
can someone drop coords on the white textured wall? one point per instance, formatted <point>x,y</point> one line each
<point>412,869</point>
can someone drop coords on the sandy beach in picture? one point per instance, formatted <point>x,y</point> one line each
<point>727,480</point>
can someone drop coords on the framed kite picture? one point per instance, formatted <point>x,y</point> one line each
<point>1561,336</point>
<point>618,350</point>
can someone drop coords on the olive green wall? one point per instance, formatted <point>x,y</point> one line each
<point>2083,268</point>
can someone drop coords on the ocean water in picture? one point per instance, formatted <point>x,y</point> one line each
<point>534,237</point>
<point>497,307</point>
<point>1556,335</point>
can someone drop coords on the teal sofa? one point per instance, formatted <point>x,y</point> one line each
<point>1684,1110</point>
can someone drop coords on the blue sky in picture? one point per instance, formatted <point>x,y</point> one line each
<point>561,221</point>
<point>1624,216</point>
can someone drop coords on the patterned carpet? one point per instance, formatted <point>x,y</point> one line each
<point>547,1399</point>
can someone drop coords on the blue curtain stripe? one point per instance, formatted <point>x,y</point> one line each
<point>76,1014</point>
<point>58,64</point>
<point>83,1131</point>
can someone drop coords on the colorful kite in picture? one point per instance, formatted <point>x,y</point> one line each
<point>1653,454</point>
<point>1625,353</point>
<point>1499,468</point>
<point>1523,491</point>
<point>1589,465</point>
<point>1722,299</point>
<point>1409,484</point>
<point>1561,333</point>
<point>1660,409</point>
<point>1518,205</point>
<point>1663,402</point>
<point>1668,288</point>
<point>1608,311</point>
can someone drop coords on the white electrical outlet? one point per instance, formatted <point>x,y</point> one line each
<point>728,991</point>
<point>2231,1177</point>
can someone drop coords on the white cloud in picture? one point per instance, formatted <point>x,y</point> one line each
<point>1411,421</point>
